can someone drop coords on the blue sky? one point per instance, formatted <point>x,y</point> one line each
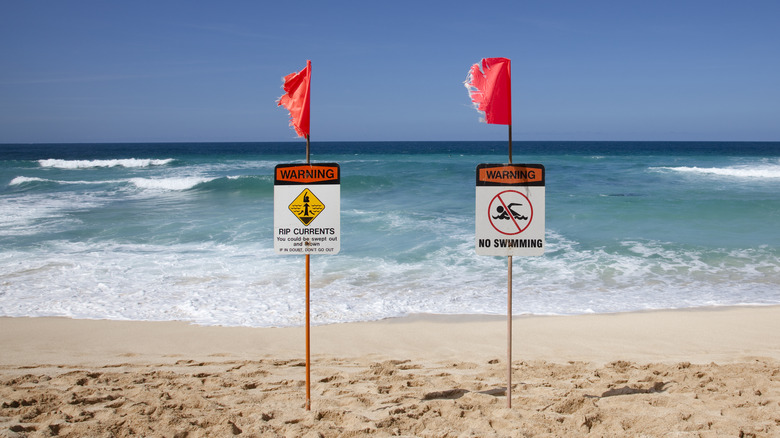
<point>140,71</point>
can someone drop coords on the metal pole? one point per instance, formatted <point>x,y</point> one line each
<point>509,311</point>
<point>510,144</point>
<point>509,335</point>
<point>307,150</point>
<point>308,349</point>
<point>308,331</point>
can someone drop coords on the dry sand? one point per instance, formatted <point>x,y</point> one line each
<point>708,373</point>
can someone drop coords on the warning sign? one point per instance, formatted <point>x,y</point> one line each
<point>510,209</point>
<point>306,206</point>
<point>307,210</point>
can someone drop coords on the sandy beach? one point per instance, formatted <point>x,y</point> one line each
<point>704,372</point>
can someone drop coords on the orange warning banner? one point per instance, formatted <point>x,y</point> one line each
<point>307,174</point>
<point>510,174</point>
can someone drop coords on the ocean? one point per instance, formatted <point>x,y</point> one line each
<point>184,231</point>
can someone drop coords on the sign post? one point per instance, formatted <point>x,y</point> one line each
<point>510,222</point>
<point>307,220</point>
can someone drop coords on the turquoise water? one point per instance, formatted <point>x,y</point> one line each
<point>184,231</point>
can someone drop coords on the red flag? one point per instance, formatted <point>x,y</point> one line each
<point>491,91</point>
<point>296,99</point>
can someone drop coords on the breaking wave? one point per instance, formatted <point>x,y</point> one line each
<point>86,164</point>
<point>766,171</point>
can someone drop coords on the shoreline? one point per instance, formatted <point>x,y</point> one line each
<point>699,335</point>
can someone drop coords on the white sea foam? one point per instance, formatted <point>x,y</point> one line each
<point>19,180</point>
<point>766,171</point>
<point>31,214</point>
<point>161,184</point>
<point>214,284</point>
<point>169,184</point>
<point>84,164</point>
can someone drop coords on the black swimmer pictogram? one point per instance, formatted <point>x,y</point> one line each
<point>502,214</point>
<point>510,212</point>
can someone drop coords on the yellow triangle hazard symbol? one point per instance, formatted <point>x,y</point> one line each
<point>306,207</point>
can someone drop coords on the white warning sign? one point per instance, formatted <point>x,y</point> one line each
<point>307,208</point>
<point>510,210</point>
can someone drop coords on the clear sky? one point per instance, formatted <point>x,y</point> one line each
<point>141,70</point>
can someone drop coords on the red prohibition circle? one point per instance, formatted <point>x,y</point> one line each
<point>512,225</point>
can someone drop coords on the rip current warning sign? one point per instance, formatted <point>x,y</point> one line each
<point>307,208</point>
<point>510,210</point>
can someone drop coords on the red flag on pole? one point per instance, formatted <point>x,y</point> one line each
<point>296,99</point>
<point>491,90</point>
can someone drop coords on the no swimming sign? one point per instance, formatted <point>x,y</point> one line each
<point>510,210</point>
